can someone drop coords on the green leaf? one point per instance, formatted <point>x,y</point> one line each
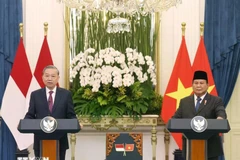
<point>114,111</point>
<point>121,98</point>
<point>102,101</point>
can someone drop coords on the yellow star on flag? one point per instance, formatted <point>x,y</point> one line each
<point>210,88</point>
<point>184,92</point>
<point>180,93</point>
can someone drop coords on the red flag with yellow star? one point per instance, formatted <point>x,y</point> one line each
<point>179,86</point>
<point>201,62</point>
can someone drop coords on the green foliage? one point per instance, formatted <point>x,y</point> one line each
<point>89,31</point>
<point>134,101</point>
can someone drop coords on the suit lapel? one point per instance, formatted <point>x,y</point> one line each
<point>57,99</point>
<point>43,96</point>
<point>192,106</point>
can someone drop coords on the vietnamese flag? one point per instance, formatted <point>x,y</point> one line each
<point>179,86</point>
<point>201,62</point>
<point>129,147</point>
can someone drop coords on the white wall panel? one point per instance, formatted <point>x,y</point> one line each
<point>232,139</point>
<point>189,12</point>
<point>35,14</point>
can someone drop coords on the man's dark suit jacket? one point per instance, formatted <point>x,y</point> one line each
<point>62,109</point>
<point>211,107</point>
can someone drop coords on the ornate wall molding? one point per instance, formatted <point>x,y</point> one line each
<point>110,140</point>
<point>137,138</point>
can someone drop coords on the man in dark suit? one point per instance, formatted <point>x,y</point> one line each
<point>61,108</point>
<point>211,107</point>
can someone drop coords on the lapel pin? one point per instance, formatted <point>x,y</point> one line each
<point>205,102</point>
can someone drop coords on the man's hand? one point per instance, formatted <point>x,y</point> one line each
<point>219,117</point>
<point>81,125</point>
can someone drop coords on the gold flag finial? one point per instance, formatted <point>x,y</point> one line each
<point>183,28</point>
<point>21,29</point>
<point>201,28</point>
<point>45,28</point>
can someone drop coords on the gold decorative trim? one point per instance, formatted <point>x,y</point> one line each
<point>160,121</point>
<point>66,47</point>
<point>124,123</point>
<point>110,139</point>
<point>73,143</point>
<point>166,142</point>
<point>157,50</point>
<point>137,138</point>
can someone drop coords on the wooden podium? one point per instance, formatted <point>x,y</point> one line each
<point>49,142</point>
<point>197,142</point>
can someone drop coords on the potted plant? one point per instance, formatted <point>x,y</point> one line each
<point>111,83</point>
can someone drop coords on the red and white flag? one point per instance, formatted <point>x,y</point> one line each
<point>14,105</point>
<point>119,147</point>
<point>44,60</point>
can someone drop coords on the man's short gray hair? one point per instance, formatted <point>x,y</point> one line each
<point>50,67</point>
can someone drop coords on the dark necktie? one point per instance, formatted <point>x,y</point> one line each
<point>50,101</point>
<point>198,103</point>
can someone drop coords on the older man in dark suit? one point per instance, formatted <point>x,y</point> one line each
<point>61,106</point>
<point>211,107</point>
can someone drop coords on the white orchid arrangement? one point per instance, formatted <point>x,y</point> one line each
<point>112,83</point>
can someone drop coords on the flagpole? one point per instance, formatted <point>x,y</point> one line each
<point>124,152</point>
<point>45,28</point>
<point>21,29</point>
<point>201,28</point>
<point>183,28</point>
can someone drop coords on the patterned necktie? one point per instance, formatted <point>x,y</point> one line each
<point>50,101</point>
<point>198,103</point>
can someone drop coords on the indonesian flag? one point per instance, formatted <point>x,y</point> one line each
<point>44,60</point>
<point>14,99</point>
<point>119,147</point>
<point>201,62</point>
<point>179,86</point>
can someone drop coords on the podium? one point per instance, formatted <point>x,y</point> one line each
<point>49,142</point>
<point>197,141</point>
